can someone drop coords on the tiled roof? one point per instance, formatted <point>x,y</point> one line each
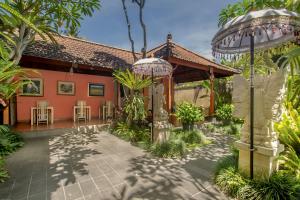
<point>182,53</point>
<point>80,51</point>
<point>70,49</point>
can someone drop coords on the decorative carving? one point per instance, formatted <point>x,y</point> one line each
<point>161,117</point>
<point>268,95</point>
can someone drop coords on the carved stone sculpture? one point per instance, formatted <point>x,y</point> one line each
<point>268,96</point>
<point>161,117</point>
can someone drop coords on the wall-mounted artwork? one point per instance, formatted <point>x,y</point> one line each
<point>96,89</point>
<point>32,87</point>
<point>65,88</point>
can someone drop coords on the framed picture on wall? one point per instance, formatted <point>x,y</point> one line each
<point>32,87</point>
<point>96,89</point>
<point>65,88</point>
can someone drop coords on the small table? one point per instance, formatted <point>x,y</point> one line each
<point>33,114</point>
<point>87,110</point>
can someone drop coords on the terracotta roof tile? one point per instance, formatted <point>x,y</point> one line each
<point>71,49</point>
<point>180,52</point>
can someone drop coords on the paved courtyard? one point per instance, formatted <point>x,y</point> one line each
<point>83,165</point>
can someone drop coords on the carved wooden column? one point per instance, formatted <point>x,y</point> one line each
<point>212,92</point>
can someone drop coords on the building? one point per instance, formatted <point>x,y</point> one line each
<point>72,69</point>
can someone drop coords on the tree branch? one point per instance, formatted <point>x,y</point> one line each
<point>141,4</point>
<point>129,30</point>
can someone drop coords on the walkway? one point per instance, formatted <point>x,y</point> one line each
<point>85,165</point>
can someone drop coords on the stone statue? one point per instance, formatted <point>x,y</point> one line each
<point>161,116</point>
<point>268,96</point>
<point>159,101</point>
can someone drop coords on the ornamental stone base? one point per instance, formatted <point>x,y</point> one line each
<point>264,159</point>
<point>161,131</point>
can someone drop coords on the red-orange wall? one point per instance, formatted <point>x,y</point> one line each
<point>63,104</point>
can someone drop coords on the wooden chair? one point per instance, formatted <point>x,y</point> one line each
<point>42,112</point>
<point>81,113</point>
<point>109,110</point>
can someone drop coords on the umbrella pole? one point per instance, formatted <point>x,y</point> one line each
<point>152,107</point>
<point>251,103</point>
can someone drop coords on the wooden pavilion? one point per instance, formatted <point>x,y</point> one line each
<point>188,66</point>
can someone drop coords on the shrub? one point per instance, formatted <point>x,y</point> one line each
<point>190,137</point>
<point>170,148</point>
<point>278,186</point>
<point>9,141</point>
<point>132,133</point>
<point>230,181</point>
<point>289,135</point>
<point>188,113</point>
<point>289,129</point>
<point>291,162</point>
<point>224,113</point>
<point>3,172</point>
<point>227,162</point>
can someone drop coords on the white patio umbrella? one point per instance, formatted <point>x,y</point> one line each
<point>261,29</point>
<point>154,67</point>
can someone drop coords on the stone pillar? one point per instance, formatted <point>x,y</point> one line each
<point>264,162</point>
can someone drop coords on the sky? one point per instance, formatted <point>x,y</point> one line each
<point>192,23</point>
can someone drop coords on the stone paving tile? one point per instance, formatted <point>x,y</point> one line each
<point>37,187</point>
<point>73,192</point>
<point>102,183</point>
<point>94,196</point>
<point>114,178</point>
<point>88,187</point>
<point>20,189</point>
<point>39,196</point>
<point>56,194</point>
<point>85,166</point>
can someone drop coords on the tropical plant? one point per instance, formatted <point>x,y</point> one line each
<point>21,20</point>
<point>230,181</point>
<point>243,7</point>
<point>289,129</point>
<point>223,91</point>
<point>188,113</point>
<point>10,75</point>
<point>134,102</point>
<point>169,148</point>
<point>9,142</point>
<point>291,162</point>
<point>279,186</point>
<point>3,172</point>
<point>224,113</point>
<point>132,133</point>
<point>289,135</point>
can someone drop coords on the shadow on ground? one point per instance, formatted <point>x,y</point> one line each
<point>188,178</point>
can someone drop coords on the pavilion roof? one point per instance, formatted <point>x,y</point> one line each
<point>80,51</point>
<point>175,50</point>
<point>74,50</point>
